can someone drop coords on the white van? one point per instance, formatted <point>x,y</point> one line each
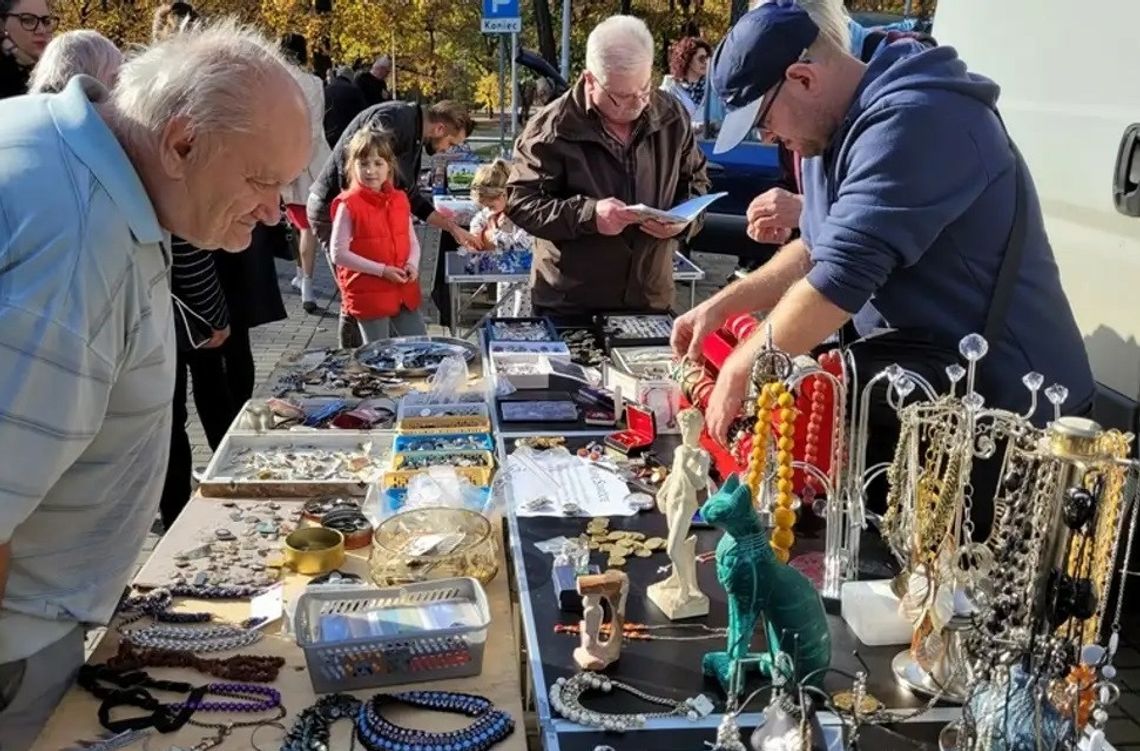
<point>1069,95</point>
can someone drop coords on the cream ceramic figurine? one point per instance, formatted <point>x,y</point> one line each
<point>594,653</point>
<point>679,596</point>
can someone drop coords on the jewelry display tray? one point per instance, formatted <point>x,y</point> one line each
<point>218,483</point>
<point>416,654</point>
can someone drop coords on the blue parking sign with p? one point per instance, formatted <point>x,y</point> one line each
<point>501,16</point>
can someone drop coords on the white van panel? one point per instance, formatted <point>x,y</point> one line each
<point>1069,88</point>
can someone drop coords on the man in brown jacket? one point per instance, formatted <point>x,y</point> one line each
<point>613,140</point>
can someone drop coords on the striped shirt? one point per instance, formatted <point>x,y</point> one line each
<point>86,365</point>
<point>194,282</point>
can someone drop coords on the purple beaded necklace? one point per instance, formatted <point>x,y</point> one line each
<point>253,698</point>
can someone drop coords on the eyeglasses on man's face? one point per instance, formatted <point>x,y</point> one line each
<point>32,22</point>
<point>627,100</point>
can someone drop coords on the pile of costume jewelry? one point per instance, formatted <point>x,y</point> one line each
<point>412,356</point>
<point>585,347</point>
<point>521,330</point>
<point>240,553</point>
<point>514,261</point>
<point>1010,625</point>
<point>342,414</point>
<point>303,463</point>
<point>338,372</point>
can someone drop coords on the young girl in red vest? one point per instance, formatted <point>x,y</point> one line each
<point>374,247</point>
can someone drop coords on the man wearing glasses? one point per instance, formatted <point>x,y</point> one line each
<point>610,142</point>
<point>912,191</point>
<point>26,27</point>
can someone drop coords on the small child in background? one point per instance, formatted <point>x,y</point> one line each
<point>495,231</point>
<point>374,245</point>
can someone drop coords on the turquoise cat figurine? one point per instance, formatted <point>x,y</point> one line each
<point>758,584</point>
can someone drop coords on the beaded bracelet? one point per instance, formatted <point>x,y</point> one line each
<point>378,734</point>
<point>250,668</point>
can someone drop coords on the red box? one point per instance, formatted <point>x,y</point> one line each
<point>639,434</point>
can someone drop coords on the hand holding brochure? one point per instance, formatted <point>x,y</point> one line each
<point>682,213</point>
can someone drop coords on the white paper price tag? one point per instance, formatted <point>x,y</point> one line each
<point>268,606</point>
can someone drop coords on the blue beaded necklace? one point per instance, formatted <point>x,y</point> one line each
<point>378,734</point>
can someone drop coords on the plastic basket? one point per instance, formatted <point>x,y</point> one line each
<point>444,418</point>
<point>399,478</point>
<point>421,655</point>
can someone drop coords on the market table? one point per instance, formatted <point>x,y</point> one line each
<point>671,669</point>
<point>458,277</point>
<point>76,719</point>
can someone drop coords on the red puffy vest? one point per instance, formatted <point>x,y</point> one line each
<point>380,232</point>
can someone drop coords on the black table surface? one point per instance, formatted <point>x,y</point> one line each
<point>673,668</point>
<point>917,736</point>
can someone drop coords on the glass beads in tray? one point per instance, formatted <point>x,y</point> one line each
<point>521,330</point>
<point>452,442</point>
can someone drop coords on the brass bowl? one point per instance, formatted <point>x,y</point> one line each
<point>314,550</point>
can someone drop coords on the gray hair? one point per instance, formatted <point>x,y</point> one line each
<point>206,75</point>
<point>619,44</point>
<point>831,18</point>
<point>74,53</point>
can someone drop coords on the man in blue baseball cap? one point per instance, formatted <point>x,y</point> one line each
<point>914,193</point>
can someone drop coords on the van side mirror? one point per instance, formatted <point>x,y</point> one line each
<point>1126,181</point>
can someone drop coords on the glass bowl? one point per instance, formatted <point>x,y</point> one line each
<point>433,543</point>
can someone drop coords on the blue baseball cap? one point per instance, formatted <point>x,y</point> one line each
<point>753,58</point>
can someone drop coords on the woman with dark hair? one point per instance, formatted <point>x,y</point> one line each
<point>688,69</point>
<point>172,18</point>
<point>26,27</point>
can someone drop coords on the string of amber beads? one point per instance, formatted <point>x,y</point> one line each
<point>775,395</point>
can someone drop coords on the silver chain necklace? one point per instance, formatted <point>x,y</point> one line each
<point>191,639</point>
<point>565,695</point>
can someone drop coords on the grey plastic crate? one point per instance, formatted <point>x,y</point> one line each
<point>368,662</point>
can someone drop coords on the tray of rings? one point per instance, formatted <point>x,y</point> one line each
<point>288,465</point>
<point>314,413</point>
<point>413,356</point>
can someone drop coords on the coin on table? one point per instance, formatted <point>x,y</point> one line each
<point>637,536</point>
<point>615,535</point>
<point>655,543</point>
<point>615,561</point>
<point>622,550</point>
<point>643,552</point>
<point>844,701</point>
<point>594,545</point>
<point>606,548</point>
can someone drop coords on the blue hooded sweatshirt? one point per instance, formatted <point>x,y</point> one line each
<point>909,209</point>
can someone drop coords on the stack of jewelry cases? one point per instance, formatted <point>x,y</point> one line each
<point>362,638</point>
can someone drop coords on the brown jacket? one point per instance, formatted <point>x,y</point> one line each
<point>565,162</point>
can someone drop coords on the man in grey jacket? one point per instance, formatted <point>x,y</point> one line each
<point>412,129</point>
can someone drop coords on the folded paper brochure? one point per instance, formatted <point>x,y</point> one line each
<point>682,213</point>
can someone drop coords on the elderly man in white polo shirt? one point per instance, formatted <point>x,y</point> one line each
<point>198,138</point>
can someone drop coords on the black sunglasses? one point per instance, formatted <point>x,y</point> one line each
<point>31,22</point>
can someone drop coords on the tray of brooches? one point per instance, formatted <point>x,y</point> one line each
<point>290,465</point>
<point>653,363</point>
<point>413,356</point>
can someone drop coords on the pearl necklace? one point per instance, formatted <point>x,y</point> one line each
<point>565,694</point>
